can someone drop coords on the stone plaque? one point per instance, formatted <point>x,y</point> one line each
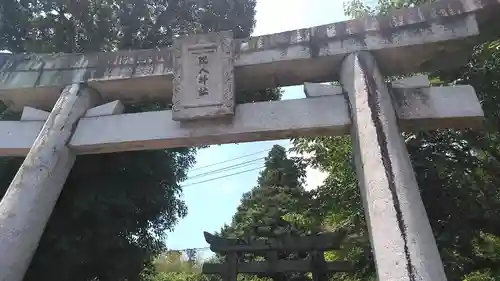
<point>203,76</point>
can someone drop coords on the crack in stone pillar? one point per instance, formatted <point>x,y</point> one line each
<point>400,233</point>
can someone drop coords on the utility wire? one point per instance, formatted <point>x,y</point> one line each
<point>230,160</point>
<point>236,158</point>
<point>225,176</point>
<point>232,167</point>
<point>188,249</point>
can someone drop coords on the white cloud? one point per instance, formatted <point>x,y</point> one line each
<point>282,15</point>
<point>275,16</point>
<point>279,15</point>
<point>314,177</point>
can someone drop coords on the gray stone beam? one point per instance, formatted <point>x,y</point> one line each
<point>33,114</point>
<point>427,37</point>
<point>317,90</point>
<point>418,109</point>
<point>110,108</point>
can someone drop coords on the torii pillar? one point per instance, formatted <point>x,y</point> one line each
<point>400,233</point>
<point>32,194</point>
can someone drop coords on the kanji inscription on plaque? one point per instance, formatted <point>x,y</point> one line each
<point>203,76</point>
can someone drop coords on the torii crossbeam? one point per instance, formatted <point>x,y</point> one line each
<point>199,76</point>
<point>409,40</point>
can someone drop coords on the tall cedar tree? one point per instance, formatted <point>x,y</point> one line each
<point>263,211</point>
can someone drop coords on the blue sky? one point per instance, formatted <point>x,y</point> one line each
<point>213,203</point>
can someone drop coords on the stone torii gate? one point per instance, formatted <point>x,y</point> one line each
<point>199,76</point>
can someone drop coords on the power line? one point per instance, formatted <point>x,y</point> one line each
<point>232,167</point>
<point>225,176</point>
<point>189,249</point>
<point>230,160</point>
<point>236,158</point>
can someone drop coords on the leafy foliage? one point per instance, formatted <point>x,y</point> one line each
<point>174,261</point>
<point>172,266</point>
<point>339,202</point>
<point>78,26</point>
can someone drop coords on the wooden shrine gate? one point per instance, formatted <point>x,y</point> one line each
<point>315,245</point>
<point>199,76</point>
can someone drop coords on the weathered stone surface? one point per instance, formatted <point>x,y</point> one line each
<point>256,121</point>
<point>4,57</point>
<point>33,114</point>
<point>110,108</point>
<point>128,132</point>
<point>32,194</point>
<point>438,107</point>
<point>420,107</point>
<point>422,38</point>
<point>318,90</point>
<point>203,76</point>
<point>35,80</point>
<point>416,81</point>
<point>18,136</point>
<point>417,109</point>
<point>401,237</point>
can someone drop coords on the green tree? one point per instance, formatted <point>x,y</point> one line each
<point>271,209</point>
<point>279,192</point>
<point>458,173</point>
<point>111,217</point>
<point>175,261</point>
<point>173,266</point>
